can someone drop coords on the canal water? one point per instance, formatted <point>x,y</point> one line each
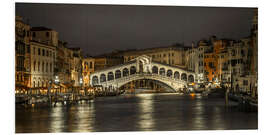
<point>140,112</point>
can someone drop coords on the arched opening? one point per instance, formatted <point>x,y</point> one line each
<point>184,77</point>
<point>117,74</point>
<point>155,70</point>
<point>146,85</point>
<point>95,80</point>
<point>102,78</point>
<point>176,75</point>
<point>110,76</point>
<point>125,72</point>
<point>34,84</point>
<point>190,78</point>
<point>169,73</point>
<point>132,70</point>
<point>162,71</point>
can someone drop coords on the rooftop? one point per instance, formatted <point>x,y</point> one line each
<point>41,28</point>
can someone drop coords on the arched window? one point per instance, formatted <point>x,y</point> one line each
<point>155,69</point>
<point>132,70</point>
<point>190,78</point>
<point>110,76</point>
<point>176,75</point>
<point>125,72</point>
<point>95,80</point>
<point>184,77</point>
<point>34,84</point>
<point>117,74</point>
<point>102,78</point>
<point>169,73</point>
<point>162,71</point>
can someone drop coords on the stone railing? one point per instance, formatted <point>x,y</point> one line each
<point>144,75</point>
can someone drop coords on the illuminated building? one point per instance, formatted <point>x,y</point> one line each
<point>88,66</point>
<point>76,66</point>
<point>105,61</point>
<point>42,64</point>
<point>22,54</point>
<point>171,55</point>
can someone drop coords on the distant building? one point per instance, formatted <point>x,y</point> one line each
<point>22,55</point>
<point>102,62</point>
<point>43,58</point>
<point>88,67</point>
<point>45,35</point>
<point>171,55</point>
<point>203,46</point>
<point>76,66</point>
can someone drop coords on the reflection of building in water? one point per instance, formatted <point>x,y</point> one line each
<point>85,117</point>
<point>218,122</point>
<point>146,108</point>
<point>199,121</point>
<point>57,120</point>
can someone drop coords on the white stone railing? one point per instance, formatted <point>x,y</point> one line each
<point>137,76</point>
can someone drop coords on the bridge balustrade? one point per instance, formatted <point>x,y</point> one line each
<point>139,75</point>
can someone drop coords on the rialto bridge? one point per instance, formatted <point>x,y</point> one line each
<point>142,67</point>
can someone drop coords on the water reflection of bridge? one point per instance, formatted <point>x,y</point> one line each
<point>142,68</point>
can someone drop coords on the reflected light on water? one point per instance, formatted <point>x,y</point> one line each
<point>199,120</point>
<point>85,118</point>
<point>218,121</point>
<point>145,121</point>
<point>57,120</point>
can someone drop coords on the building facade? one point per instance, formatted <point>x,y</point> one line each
<point>171,55</point>
<point>46,35</point>
<point>76,66</point>
<point>88,67</point>
<point>102,62</point>
<point>42,64</point>
<point>22,54</point>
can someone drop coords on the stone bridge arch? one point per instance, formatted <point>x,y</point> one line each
<point>165,85</point>
<point>142,67</point>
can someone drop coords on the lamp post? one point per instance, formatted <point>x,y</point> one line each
<point>81,83</point>
<point>56,81</point>
<point>49,92</point>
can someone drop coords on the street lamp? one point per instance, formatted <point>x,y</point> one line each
<point>81,84</point>
<point>56,80</point>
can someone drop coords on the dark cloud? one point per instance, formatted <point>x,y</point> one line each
<point>102,28</point>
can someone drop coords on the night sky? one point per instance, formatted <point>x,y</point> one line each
<point>100,29</point>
